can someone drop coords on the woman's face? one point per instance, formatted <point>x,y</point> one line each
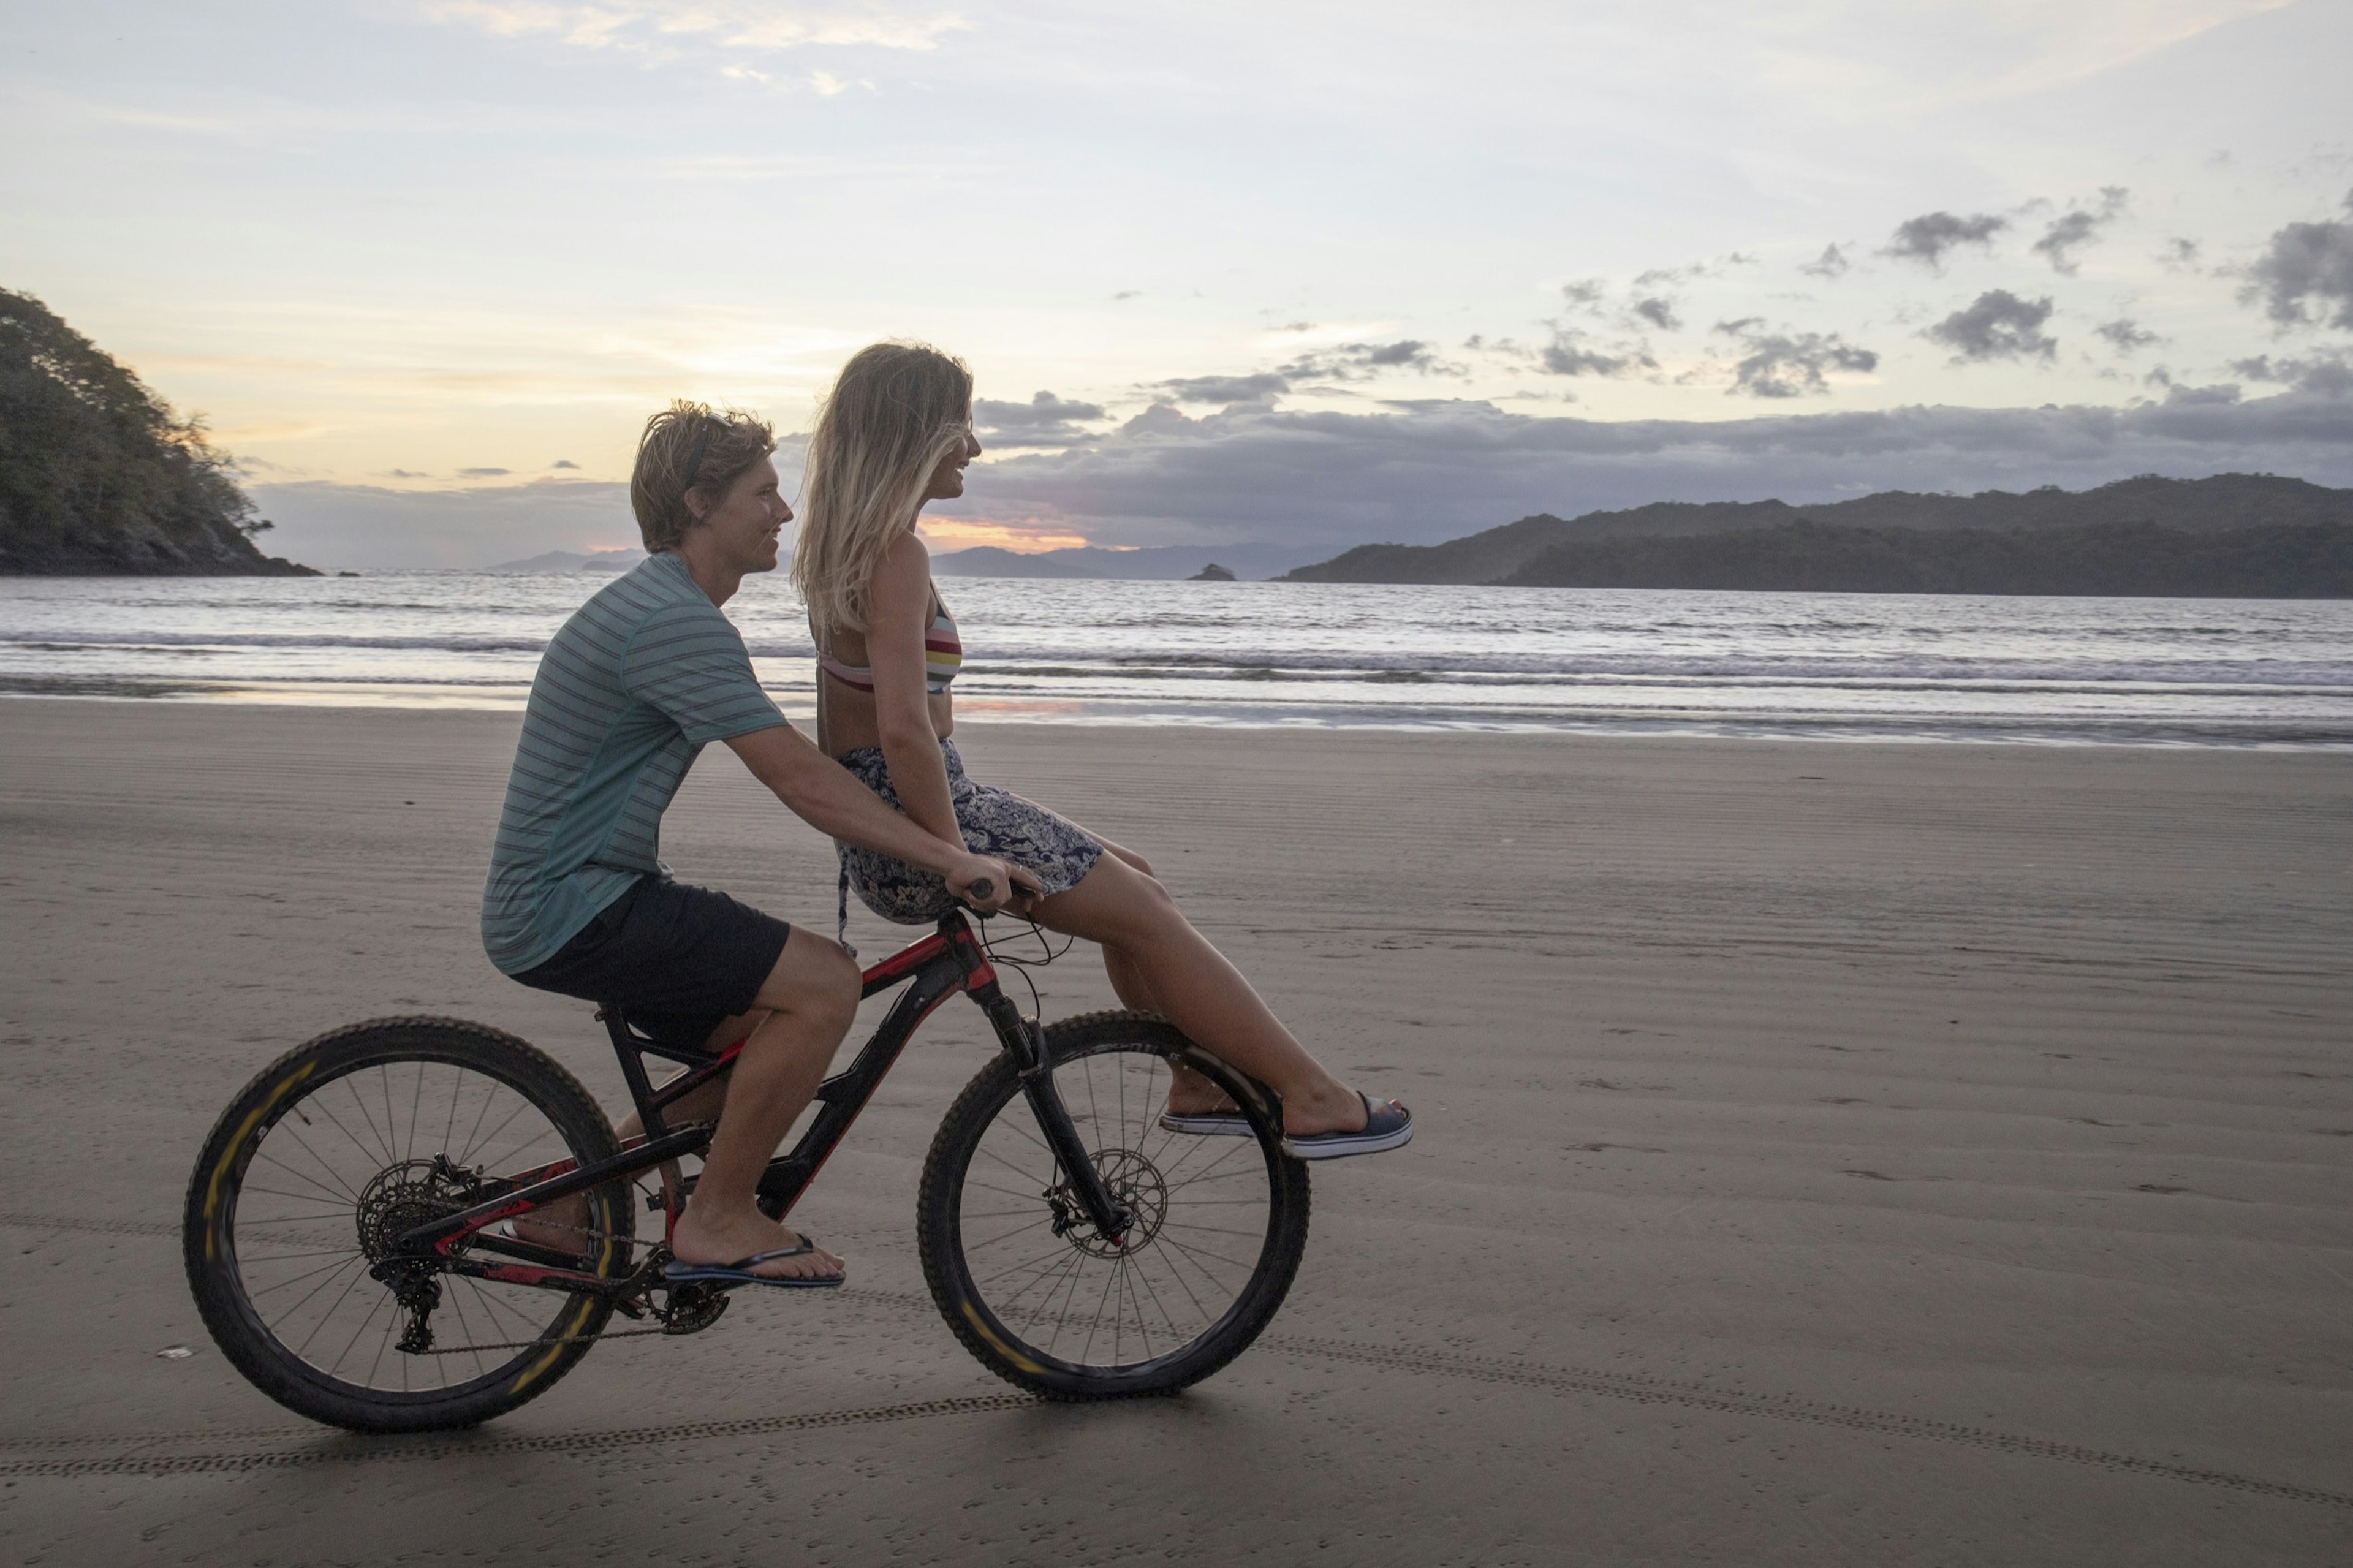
<point>947,480</point>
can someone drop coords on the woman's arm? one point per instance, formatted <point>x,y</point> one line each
<point>898,616</point>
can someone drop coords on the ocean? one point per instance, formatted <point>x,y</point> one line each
<point>1834,666</point>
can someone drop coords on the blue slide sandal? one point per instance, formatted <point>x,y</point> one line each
<point>1207,1124</point>
<point>1387,1125</point>
<point>740,1271</point>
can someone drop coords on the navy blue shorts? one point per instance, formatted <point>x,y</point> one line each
<point>678,960</point>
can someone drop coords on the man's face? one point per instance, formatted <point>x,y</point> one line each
<point>745,523</point>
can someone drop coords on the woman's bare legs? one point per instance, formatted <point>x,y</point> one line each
<point>1188,1092</point>
<point>1156,960</point>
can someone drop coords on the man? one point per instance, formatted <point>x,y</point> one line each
<point>638,681</point>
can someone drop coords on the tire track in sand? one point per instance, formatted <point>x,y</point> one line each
<point>138,1456</point>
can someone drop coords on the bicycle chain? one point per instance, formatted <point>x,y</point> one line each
<point>579,1338</point>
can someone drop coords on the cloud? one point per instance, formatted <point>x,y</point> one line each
<point>398,473</point>
<point>1427,471</point>
<point>1997,325</point>
<point>331,525</point>
<point>2183,395</point>
<point>1341,362</point>
<point>2072,231</point>
<point>2307,275</point>
<point>1435,469</point>
<point>1129,294</point>
<point>665,30</point>
<point>1586,294</point>
<point>1573,352</point>
<point>1660,311</point>
<point>2328,374</point>
<point>828,85</point>
<point>1656,302</point>
<point>484,473</point>
<point>2179,255</point>
<point>1362,361</point>
<point>2127,335</point>
<point>1262,387</point>
<point>1931,236</point>
<point>1691,272</point>
<point>1831,263</point>
<point>1045,420</point>
<point>563,463</point>
<point>1790,364</point>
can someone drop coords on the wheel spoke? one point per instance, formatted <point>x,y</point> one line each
<point>348,1259</point>
<point>342,1188</point>
<point>315,1295</point>
<point>359,1103</point>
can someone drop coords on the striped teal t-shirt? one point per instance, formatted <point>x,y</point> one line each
<point>640,679</point>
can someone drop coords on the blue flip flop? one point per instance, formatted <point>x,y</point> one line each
<point>1387,1125</point>
<point>1207,1124</point>
<point>740,1271</point>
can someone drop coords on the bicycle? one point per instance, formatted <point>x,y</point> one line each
<point>372,1178</point>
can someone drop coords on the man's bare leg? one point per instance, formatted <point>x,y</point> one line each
<point>802,1013</point>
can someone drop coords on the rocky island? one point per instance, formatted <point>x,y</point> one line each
<point>2227,536</point>
<point>99,478</point>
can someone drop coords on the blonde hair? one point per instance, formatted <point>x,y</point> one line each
<point>687,448</point>
<point>896,411</point>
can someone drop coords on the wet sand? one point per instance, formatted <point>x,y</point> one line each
<point>1829,1154</point>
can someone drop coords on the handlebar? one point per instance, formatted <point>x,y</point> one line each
<point>985,889</point>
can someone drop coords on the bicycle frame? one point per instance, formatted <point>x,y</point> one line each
<point>939,966</point>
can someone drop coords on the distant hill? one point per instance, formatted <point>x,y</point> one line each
<point>1165,563</point>
<point>574,561</point>
<point>99,476</point>
<point>2223,504</point>
<point>2281,560</point>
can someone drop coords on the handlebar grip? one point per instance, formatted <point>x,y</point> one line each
<point>982,888</point>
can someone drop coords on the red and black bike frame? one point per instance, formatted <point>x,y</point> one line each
<point>949,961</point>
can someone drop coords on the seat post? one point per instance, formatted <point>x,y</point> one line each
<point>633,1068</point>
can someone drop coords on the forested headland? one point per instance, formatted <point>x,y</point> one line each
<point>99,476</point>
<point>2228,536</point>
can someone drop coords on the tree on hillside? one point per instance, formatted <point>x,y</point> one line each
<point>97,473</point>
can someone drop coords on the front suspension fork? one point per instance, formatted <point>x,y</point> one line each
<point>1026,1043</point>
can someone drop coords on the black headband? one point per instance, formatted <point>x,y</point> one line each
<point>702,442</point>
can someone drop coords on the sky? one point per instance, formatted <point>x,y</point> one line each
<point>1292,273</point>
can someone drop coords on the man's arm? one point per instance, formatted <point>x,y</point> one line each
<point>829,798</point>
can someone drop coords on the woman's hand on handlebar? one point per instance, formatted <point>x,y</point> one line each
<point>985,885</point>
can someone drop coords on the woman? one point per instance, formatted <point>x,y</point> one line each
<point>895,433</point>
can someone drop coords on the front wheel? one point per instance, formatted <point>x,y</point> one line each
<point>1045,1301</point>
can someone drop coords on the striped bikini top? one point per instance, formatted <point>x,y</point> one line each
<point>942,657</point>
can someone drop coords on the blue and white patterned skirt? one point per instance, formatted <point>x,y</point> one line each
<point>996,823</point>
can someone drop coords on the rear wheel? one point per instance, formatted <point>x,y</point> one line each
<point>334,1150</point>
<point>1044,1299</point>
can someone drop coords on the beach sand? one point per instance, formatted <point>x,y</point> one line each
<point>1829,1153</point>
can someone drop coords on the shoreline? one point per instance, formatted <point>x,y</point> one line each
<point>1066,714</point>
